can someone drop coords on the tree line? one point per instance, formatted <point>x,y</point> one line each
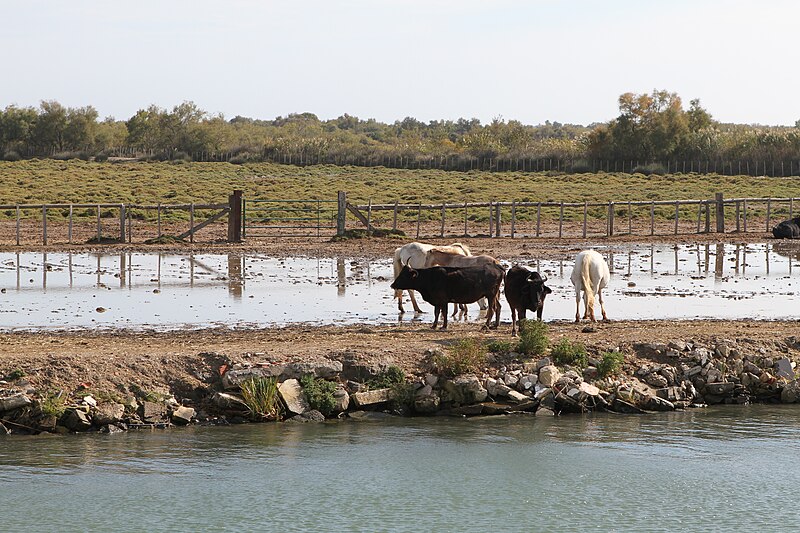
<point>650,129</point>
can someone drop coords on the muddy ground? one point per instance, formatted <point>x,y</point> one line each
<point>179,361</point>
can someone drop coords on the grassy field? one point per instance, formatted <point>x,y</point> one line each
<point>50,181</point>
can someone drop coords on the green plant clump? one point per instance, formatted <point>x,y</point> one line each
<point>532,337</point>
<point>15,374</point>
<point>261,397</point>
<point>569,353</point>
<point>319,393</point>
<point>610,363</point>
<point>499,346</point>
<point>393,375</point>
<point>53,404</point>
<point>465,356</point>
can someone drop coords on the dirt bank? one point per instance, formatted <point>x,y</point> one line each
<point>177,362</point>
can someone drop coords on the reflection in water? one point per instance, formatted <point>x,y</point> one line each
<point>235,280</point>
<point>341,277</point>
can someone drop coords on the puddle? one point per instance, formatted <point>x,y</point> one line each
<point>166,291</point>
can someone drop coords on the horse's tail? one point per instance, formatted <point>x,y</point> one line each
<point>586,279</point>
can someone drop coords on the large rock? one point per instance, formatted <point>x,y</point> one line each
<point>153,412</point>
<point>229,402</point>
<point>341,400</point>
<point>14,401</point>
<point>76,420</point>
<point>790,392</point>
<point>548,375</point>
<point>783,368</point>
<point>323,368</point>
<point>108,413</point>
<point>464,390</point>
<point>426,400</point>
<point>182,415</point>
<point>292,394</point>
<point>371,398</point>
<point>719,389</point>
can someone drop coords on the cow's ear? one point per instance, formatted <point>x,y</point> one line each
<point>547,289</point>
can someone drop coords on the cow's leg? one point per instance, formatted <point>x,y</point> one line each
<point>602,307</point>
<point>483,304</point>
<point>414,301</point>
<point>539,310</point>
<point>436,311</point>
<point>577,305</point>
<point>399,295</point>
<point>497,312</point>
<point>513,321</point>
<point>444,315</point>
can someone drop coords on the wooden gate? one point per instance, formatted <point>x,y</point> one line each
<point>289,218</point>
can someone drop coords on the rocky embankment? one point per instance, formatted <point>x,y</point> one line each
<point>654,377</point>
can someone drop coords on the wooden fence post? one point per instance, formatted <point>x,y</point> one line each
<point>465,219</point>
<point>677,206</point>
<point>341,213</point>
<point>768,212</point>
<point>561,220</point>
<point>394,217</point>
<point>99,228</point>
<point>235,218</point>
<point>720,211</point>
<point>69,227</point>
<point>514,215</point>
<point>44,225</point>
<point>491,218</point>
<point>708,217</point>
<point>630,219</point>
<point>158,217</point>
<point>419,216</point>
<point>441,233</point>
<point>652,218</point>
<point>538,218</point>
<point>585,210</point>
<point>369,216</point>
<point>497,220</point>
<point>191,222</point>
<point>610,219</point>
<point>17,225</point>
<point>744,215</point>
<point>737,217</point>
<point>122,223</point>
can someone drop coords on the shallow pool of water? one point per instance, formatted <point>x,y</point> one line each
<point>164,291</point>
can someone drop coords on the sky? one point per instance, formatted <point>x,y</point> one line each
<point>532,61</point>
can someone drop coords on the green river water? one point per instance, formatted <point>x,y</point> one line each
<point>716,469</point>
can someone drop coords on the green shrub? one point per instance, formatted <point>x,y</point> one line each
<point>499,346</point>
<point>569,353</point>
<point>261,397</point>
<point>393,375</point>
<point>11,155</point>
<point>532,337</point>
<point>610,363</point>
<point>319,393</point>
<point>401,396</point>
<point>465,356</point>
<point>53,404</point>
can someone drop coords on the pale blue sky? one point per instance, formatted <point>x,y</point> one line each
<point>535,60</point>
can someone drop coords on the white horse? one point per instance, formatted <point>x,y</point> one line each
<point>420,255</point>
<point>590,275</point>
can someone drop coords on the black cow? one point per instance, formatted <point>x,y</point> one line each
<point>788,229</point>
<point>525,289</point>
<point>441,285</point>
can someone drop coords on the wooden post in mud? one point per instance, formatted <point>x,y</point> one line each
<point>441,233</point>
<point>17,225</point>
<point>121,222</point>
<point>652,218</point>
<point>560,220</point>
<point>538,218</point>
<point>99,228</point>
<point>394,217</point>
<point>720,212</point>
<point>69,229</point>
<point>677,206</point>
<point>513,217</point>
<point>44,225</point>
<point>769,206</point>
<point>708,217</point>
<point>610,230</point>
<point>419,216</point>
<point>340,215</point>
<point>497,220</point>
<point>744,215</point>
<point>234,217</point>
<point>585,211</point>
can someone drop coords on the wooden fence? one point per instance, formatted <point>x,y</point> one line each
<point>124,221</point>
<point>574,219</point>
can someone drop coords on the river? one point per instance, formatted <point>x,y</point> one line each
<point>717,469</point>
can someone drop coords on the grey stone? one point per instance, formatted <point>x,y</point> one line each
<point>694,371</point>
<point>229,402</point>
<point>654,403</point>
<point>650,349</point>
<point>588,389</point>
<point>371,397</point>
<point>368,415</point>
<point>497,388</point>
<point>544,411</point>
<point>790,392</point>
<point>431,379</point>
<point>312,415</point>
<point>108,413</point>
<point>511,380</point>
<point>153,412</point>
<point>517,397</point>
<point>783,368</point>
<point>426,400</point>
<point>76,420</point>
<point>324,368</point>
<point>656,380</point>
<point>543,362</point>
<point>292,395</point>
<point>548,375</point>
<point>183,415</point>
<point>719,389</point>
<point>14,401</point>
<point>464,390</point>
<point>671,394</point>
<point>527,382</point>
<point>341,400</point>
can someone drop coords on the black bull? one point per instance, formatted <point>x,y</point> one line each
<point>442,285</point>
<point>788,229</point>
<point>525,289</point>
